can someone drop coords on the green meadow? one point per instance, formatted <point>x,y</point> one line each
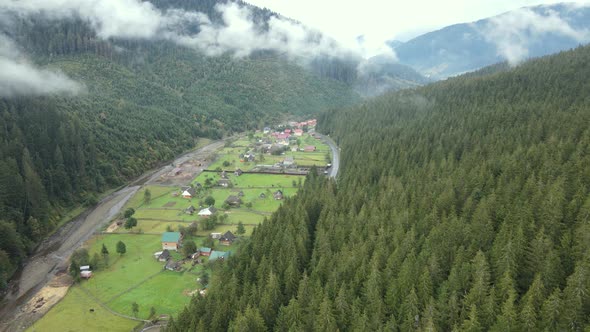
<point>137,276</point>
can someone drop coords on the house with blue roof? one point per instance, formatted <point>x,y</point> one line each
<point>171,241</point>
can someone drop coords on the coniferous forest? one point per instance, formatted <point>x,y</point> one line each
<point>142,103</point>
<point>460,206</point>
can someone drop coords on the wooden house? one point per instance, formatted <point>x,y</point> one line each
<point>207,212</point>
<point>227,238</point>
<point>233,201</point>
<point>171,241</point>
<point>205,251</point>
<point>190,210</point>
<point>189,193</point>
<point>224,183</point>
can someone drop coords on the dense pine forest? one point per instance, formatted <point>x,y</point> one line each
<point>463,205</point>
<point>142,102</point>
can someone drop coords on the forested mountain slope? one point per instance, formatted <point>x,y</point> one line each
<point>463,205</point>
<point>514,36</point>
<point>138,102</point>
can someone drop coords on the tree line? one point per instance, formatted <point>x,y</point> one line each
<point>463,205</point>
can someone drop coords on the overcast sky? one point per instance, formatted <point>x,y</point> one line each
<point>381,20</point>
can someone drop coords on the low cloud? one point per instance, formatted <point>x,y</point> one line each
<point>18,77</point>
<point>237,32</point>
<point>514,33</point>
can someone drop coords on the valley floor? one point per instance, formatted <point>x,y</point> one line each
<point>105,300</point>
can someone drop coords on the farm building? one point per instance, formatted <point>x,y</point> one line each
<point>238,172</point>
<point>162,256</point>
<point>233,201</point>
<point>215,235</point>
<point>223,183</point>
<point>309,148</point>
<point>189,193</point>
<point>227,238</point>
<point>85,272</point>
<point>278,195</point>
<point>218,255</point>
<point>262,195</point>
<point>173,265</point>
<point>190,210</point>
<point>171,240</point>
<point>206,212</point>
<point>205,251</point>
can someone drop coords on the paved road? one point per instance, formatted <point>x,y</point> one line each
<point>335,156</point>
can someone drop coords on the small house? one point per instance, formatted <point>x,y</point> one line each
<point>266,130</point>
<point>215,235</point>
<point>262,195</point>
<point>163,256</point>
<point>173,265</point>
<point>206,212</point>
<point>278,195</point>
<point>171,241</point>
<point>190,210</point>
<point>233,201</point>
<point>298,132</point>
<point>189,193</point>
<point>227,238</point>
<point>309,148</point>
<point>238,172</point>
<point>205,251</point>
<point>223,183</point>
<point>218,255</point>
<point>85,272</point>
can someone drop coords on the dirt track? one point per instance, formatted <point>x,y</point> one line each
<point>51,257</point>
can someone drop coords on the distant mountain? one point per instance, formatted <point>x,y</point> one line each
<point>513,36</point>
<point>382,74</point>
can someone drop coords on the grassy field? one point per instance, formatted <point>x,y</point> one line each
<point>124,271</point>
<point>73,314</point>
<point>157,191</point>
<point>167,292</point>
<point>137,276</point>
<point>152,226</point>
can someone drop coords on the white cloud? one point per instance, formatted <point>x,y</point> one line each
<point>514,32</point>
<point>137,19</point>
<point>18,77</point>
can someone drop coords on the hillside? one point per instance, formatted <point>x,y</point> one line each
<point>463,205</point>
<point>81,112</point>
<point>513,36</point>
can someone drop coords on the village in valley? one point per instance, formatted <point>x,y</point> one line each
<point>169,237</point>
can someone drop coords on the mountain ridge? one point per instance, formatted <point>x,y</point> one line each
<point>513,36</point>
